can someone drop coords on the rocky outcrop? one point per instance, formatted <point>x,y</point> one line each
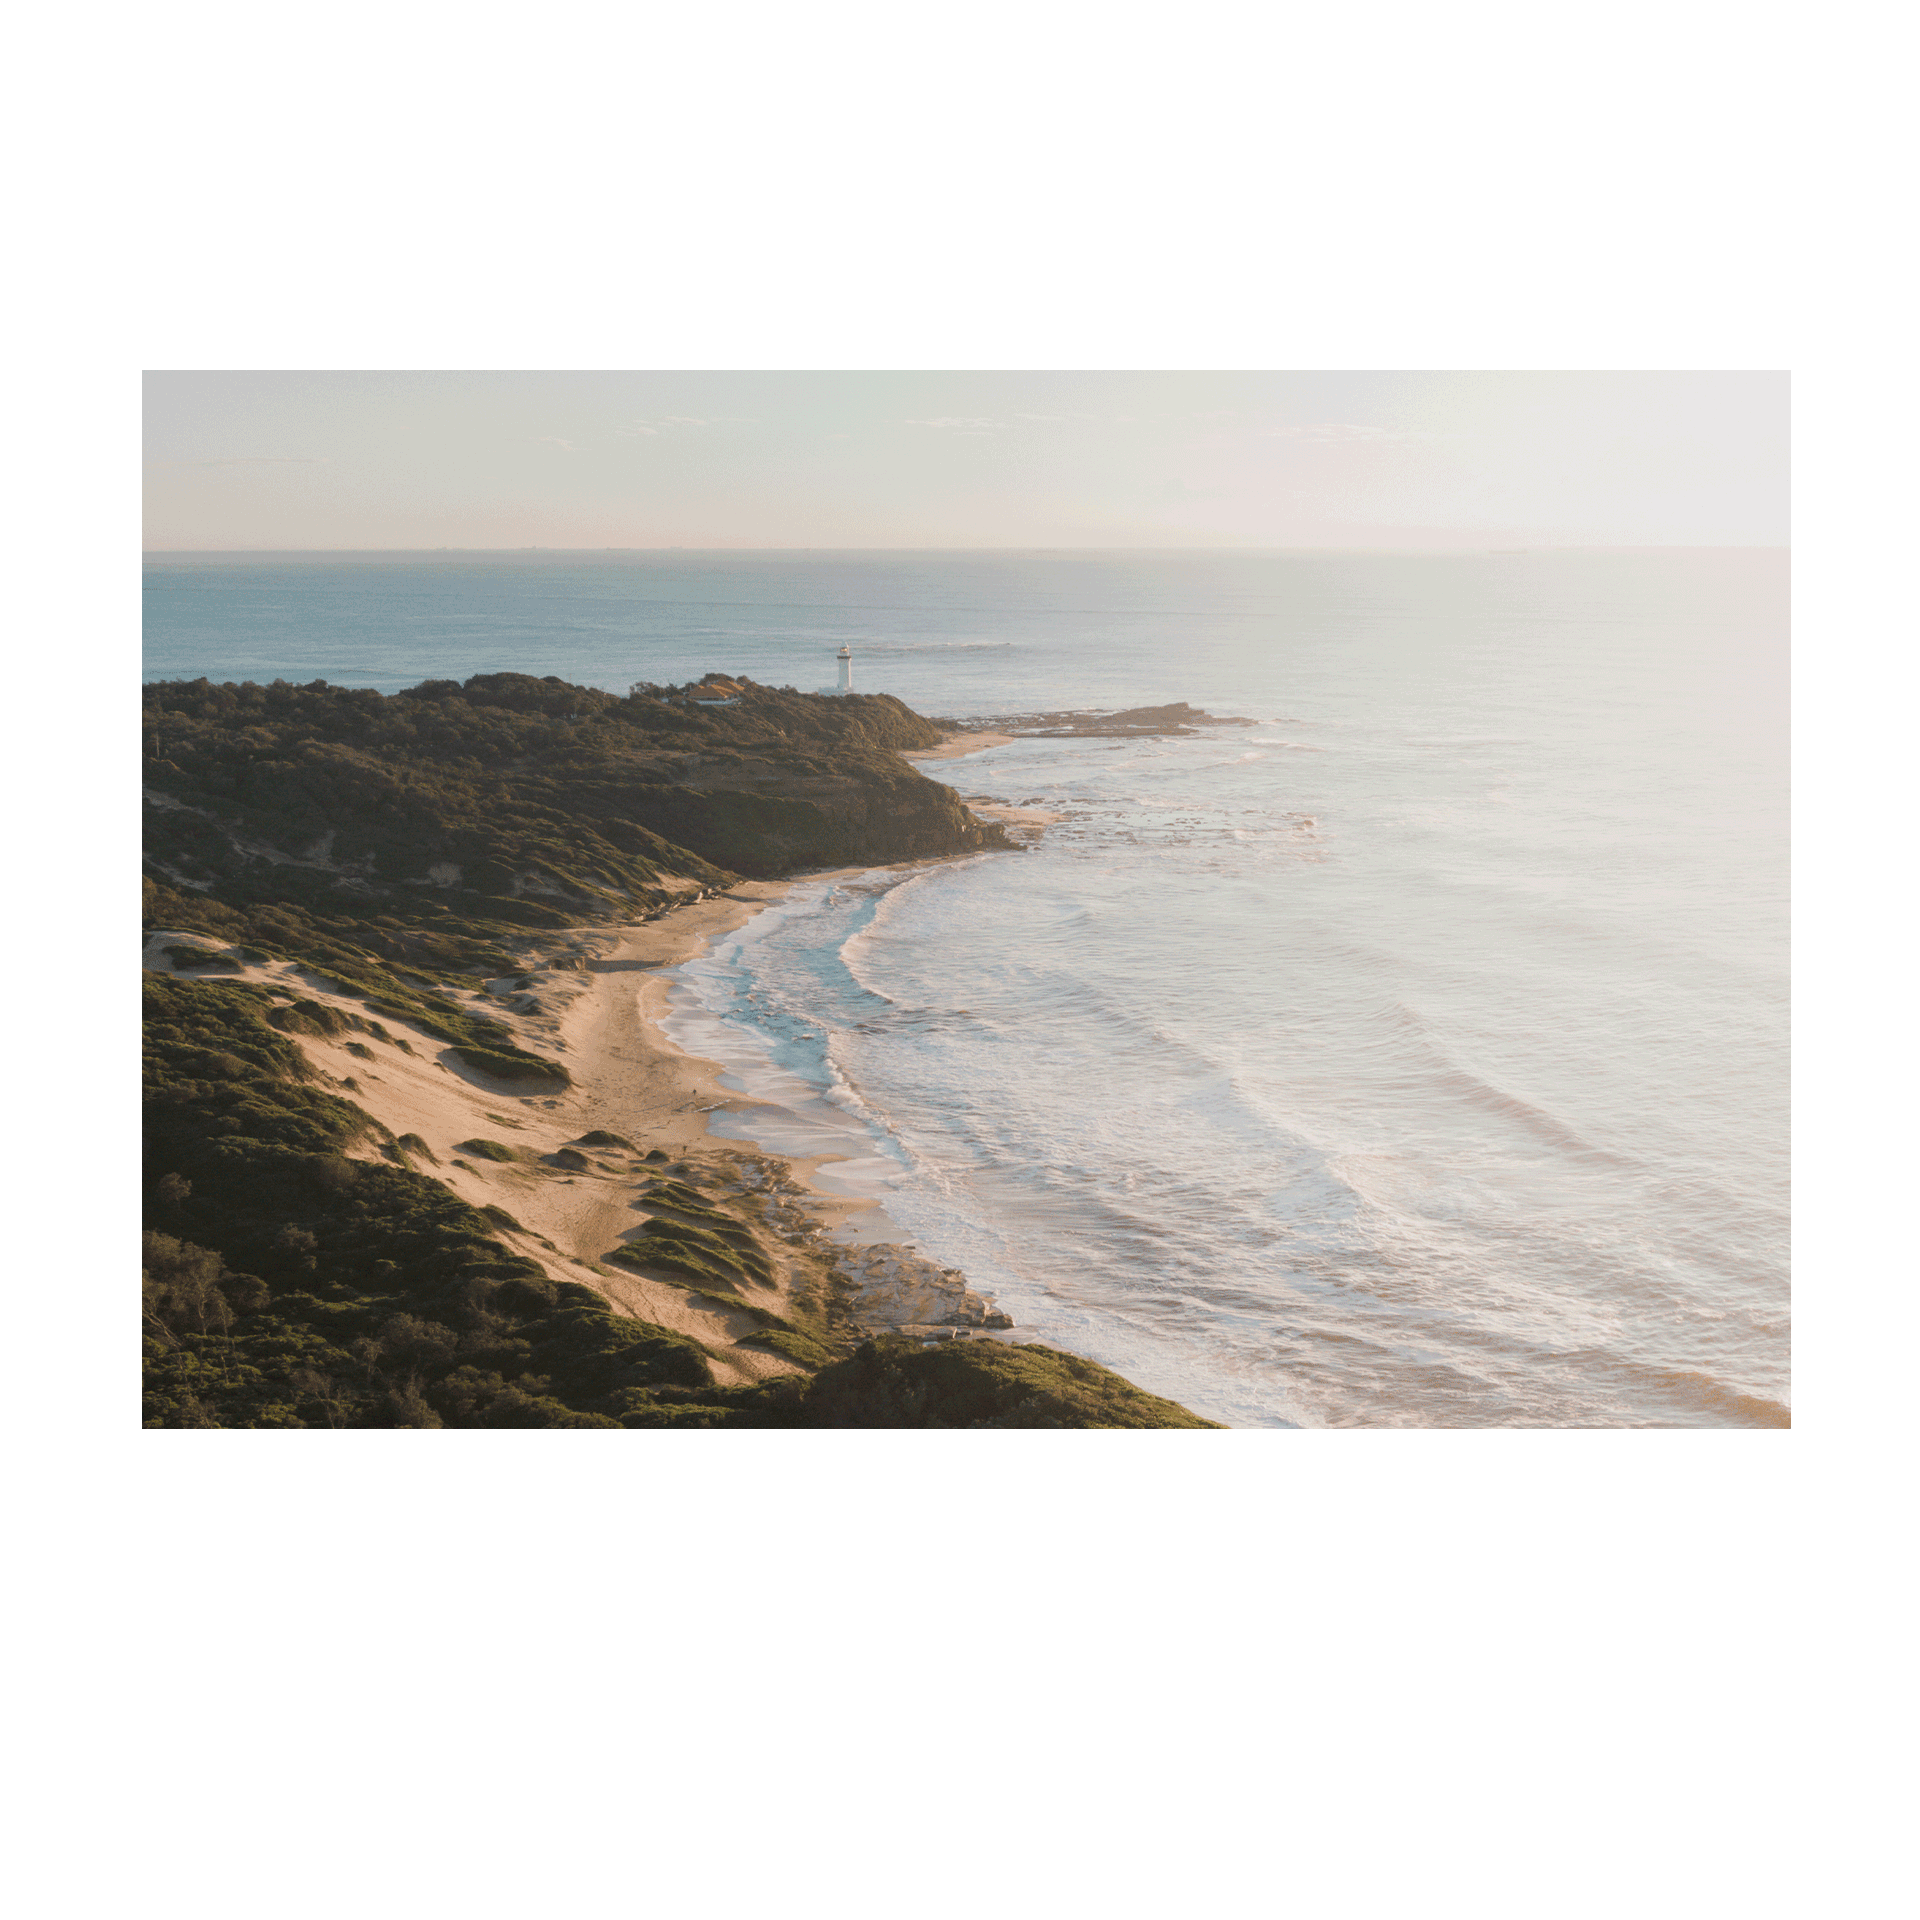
<point>896,1287</point>
<point>1142,722</point>
<point>890,1284</point>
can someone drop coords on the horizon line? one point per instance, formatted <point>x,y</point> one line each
<point>1551,546</point>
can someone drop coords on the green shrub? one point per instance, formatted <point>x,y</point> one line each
<point>790,1345</point>
<point>679,1198</point>
<point>726,1254</point>
<point>491,1150</point>
<point>644,1254</point>
<point>312,1017</point>
<point>518,1069</point>
<point>893,1382</point>
<point>202,958</point>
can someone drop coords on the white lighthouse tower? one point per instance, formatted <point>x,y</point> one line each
<point>846,670</point>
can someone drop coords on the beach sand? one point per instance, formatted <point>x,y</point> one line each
<point>956,745</point>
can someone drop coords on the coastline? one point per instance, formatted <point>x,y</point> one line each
<point>601,993</point>
<point>1027,823</point>
<point>958,744</point>
<point>541,1090</point>
<point>594,1008</point>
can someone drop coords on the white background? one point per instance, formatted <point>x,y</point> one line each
<point>932,1674</point>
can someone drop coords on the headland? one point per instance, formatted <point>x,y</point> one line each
<point>418,1152</point>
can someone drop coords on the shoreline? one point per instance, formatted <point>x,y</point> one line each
<point>591,1010</point>
<point>1027,822</point>
<point>883,1243</point>
<point>600,996</point>
<point>958,744</point>
<point>511,1204</point>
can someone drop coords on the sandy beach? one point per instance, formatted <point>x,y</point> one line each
<point>957,745</point>
<point>593,1006</point>
<point>593,1001</point>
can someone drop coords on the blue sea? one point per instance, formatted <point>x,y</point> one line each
<point>1415,1056</point>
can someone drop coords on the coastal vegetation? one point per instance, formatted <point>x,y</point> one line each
<point>513,802</point>
<point>302,1265</point>
<point>898,1382</point>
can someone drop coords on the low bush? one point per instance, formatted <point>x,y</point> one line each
<point>734,1252</point>
<point>792,1345</point>
<point>895,1382</point>
<point>523,1070</point>
<point>491,1150</point>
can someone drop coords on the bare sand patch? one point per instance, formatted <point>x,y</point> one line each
<point>956,745</point>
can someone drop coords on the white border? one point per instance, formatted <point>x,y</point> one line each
<point>1361,1675</point>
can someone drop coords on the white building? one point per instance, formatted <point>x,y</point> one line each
<point>846,673</point>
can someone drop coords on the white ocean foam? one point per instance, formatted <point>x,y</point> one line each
<point>733,1006</point>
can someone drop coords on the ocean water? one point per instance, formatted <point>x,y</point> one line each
<point>1413,1056</point>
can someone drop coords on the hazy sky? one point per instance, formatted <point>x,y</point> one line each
<point>358,460</point>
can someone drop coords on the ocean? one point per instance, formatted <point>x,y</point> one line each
<point>1415,1056</point>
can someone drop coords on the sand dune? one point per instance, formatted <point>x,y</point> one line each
<point>594,1006</point>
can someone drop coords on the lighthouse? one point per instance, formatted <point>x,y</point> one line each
<point>846,670</point>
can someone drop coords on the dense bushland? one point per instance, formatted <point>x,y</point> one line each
<point>523,802</point>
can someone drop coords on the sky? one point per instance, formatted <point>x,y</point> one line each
<point>1432,461</point>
